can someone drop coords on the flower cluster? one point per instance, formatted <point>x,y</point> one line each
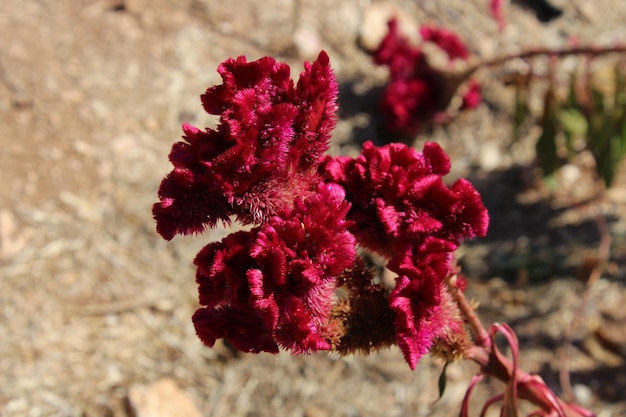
<point>418,91</point>
<point>402,210</point>
<point>296,278</point>
<point>270,135</point>
<point>274,285</point>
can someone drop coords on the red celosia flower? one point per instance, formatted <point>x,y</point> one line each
<point>446,40</point>
<point>423,306</point>
<point>403,99</point>
<point>402,210</point>
<point>316,99</point>
<point>416,300</point>
<point>397,53</point>
<point>497,11</point>
<point>274,285</point>
<point>472,96</point>
<point>399,199</point>
<point>270,135</point>
<point>418,93</point>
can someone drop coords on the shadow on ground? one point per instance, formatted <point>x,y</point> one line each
<point>532,236</point>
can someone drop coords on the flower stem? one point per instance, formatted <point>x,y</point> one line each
<point>482,339</point>
<point>493,363</point>
<point>588,50</point>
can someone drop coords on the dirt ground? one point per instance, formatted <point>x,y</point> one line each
<point>94,305</point>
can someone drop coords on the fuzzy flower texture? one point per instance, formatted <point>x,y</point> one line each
<point>295,278</point>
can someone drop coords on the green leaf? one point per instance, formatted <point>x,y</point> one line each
<point>546,148</point>
<point>442,380</point>
<point>619,98</point>
<point>598,101</point>
<point>521,109</point>
<point>574,126</point>
<point>573,121</point>
<point>546,144</point>
<point>572,100</point>
<point>604,139</point>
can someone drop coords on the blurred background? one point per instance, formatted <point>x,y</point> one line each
<point>95,307</point>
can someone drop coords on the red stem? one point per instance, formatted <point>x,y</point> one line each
<point>484,353</point>
<point>591,51</point>
<point>559,53</point>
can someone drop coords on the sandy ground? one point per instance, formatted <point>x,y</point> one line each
<point>93,304</point>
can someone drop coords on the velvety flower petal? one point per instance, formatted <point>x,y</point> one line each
<point>187,205</point>
<point>298,330</point>
<point>316,93</point>
<point>412,343</point>
<point>437,158</point>
<point>221,271</point>
<point>399,199</point>
<point>239,74</point>
<point>262,299</point>
<point>282,275</point>
<point>270,136</point>
<point>416,299</point>
<point>396,52</point>
<point>468,217</point>
<point>242,327</point>
<point>405,103</point>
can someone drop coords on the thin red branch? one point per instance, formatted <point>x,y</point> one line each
<point>481,335</point>
<point>529,387</point>
<point>541,51</point>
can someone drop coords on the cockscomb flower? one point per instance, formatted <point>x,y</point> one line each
<point>448,41</point>
<point>274,285</point>
<point>269,137</point>
<point>419,92</point>
<point>402,210</point>
<point>399,199</point>
<point>294,280</point>
<point>472,96</point>
<point>423,311</point>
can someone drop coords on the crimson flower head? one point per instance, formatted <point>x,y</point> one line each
<point>402,210</point>
<point>270,135</point>
<point>418,92</point>
<point>421,302</point>
<point>399,199</point>
<point>274,285</point>
<point>295,279</point>
<point>446,40</point>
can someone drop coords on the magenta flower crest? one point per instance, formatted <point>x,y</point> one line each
<point>274,286</point>
<point>419,93</point>
<point>402,209</point>
<point>420,300</point>
<point>269,137</point>
<point>446,40</point>
<point>297,277</point>
<point>399,199</point>
<point>398,54</point>
<point>295,280</point>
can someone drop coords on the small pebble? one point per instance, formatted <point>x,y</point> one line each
<point>583,394</point>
